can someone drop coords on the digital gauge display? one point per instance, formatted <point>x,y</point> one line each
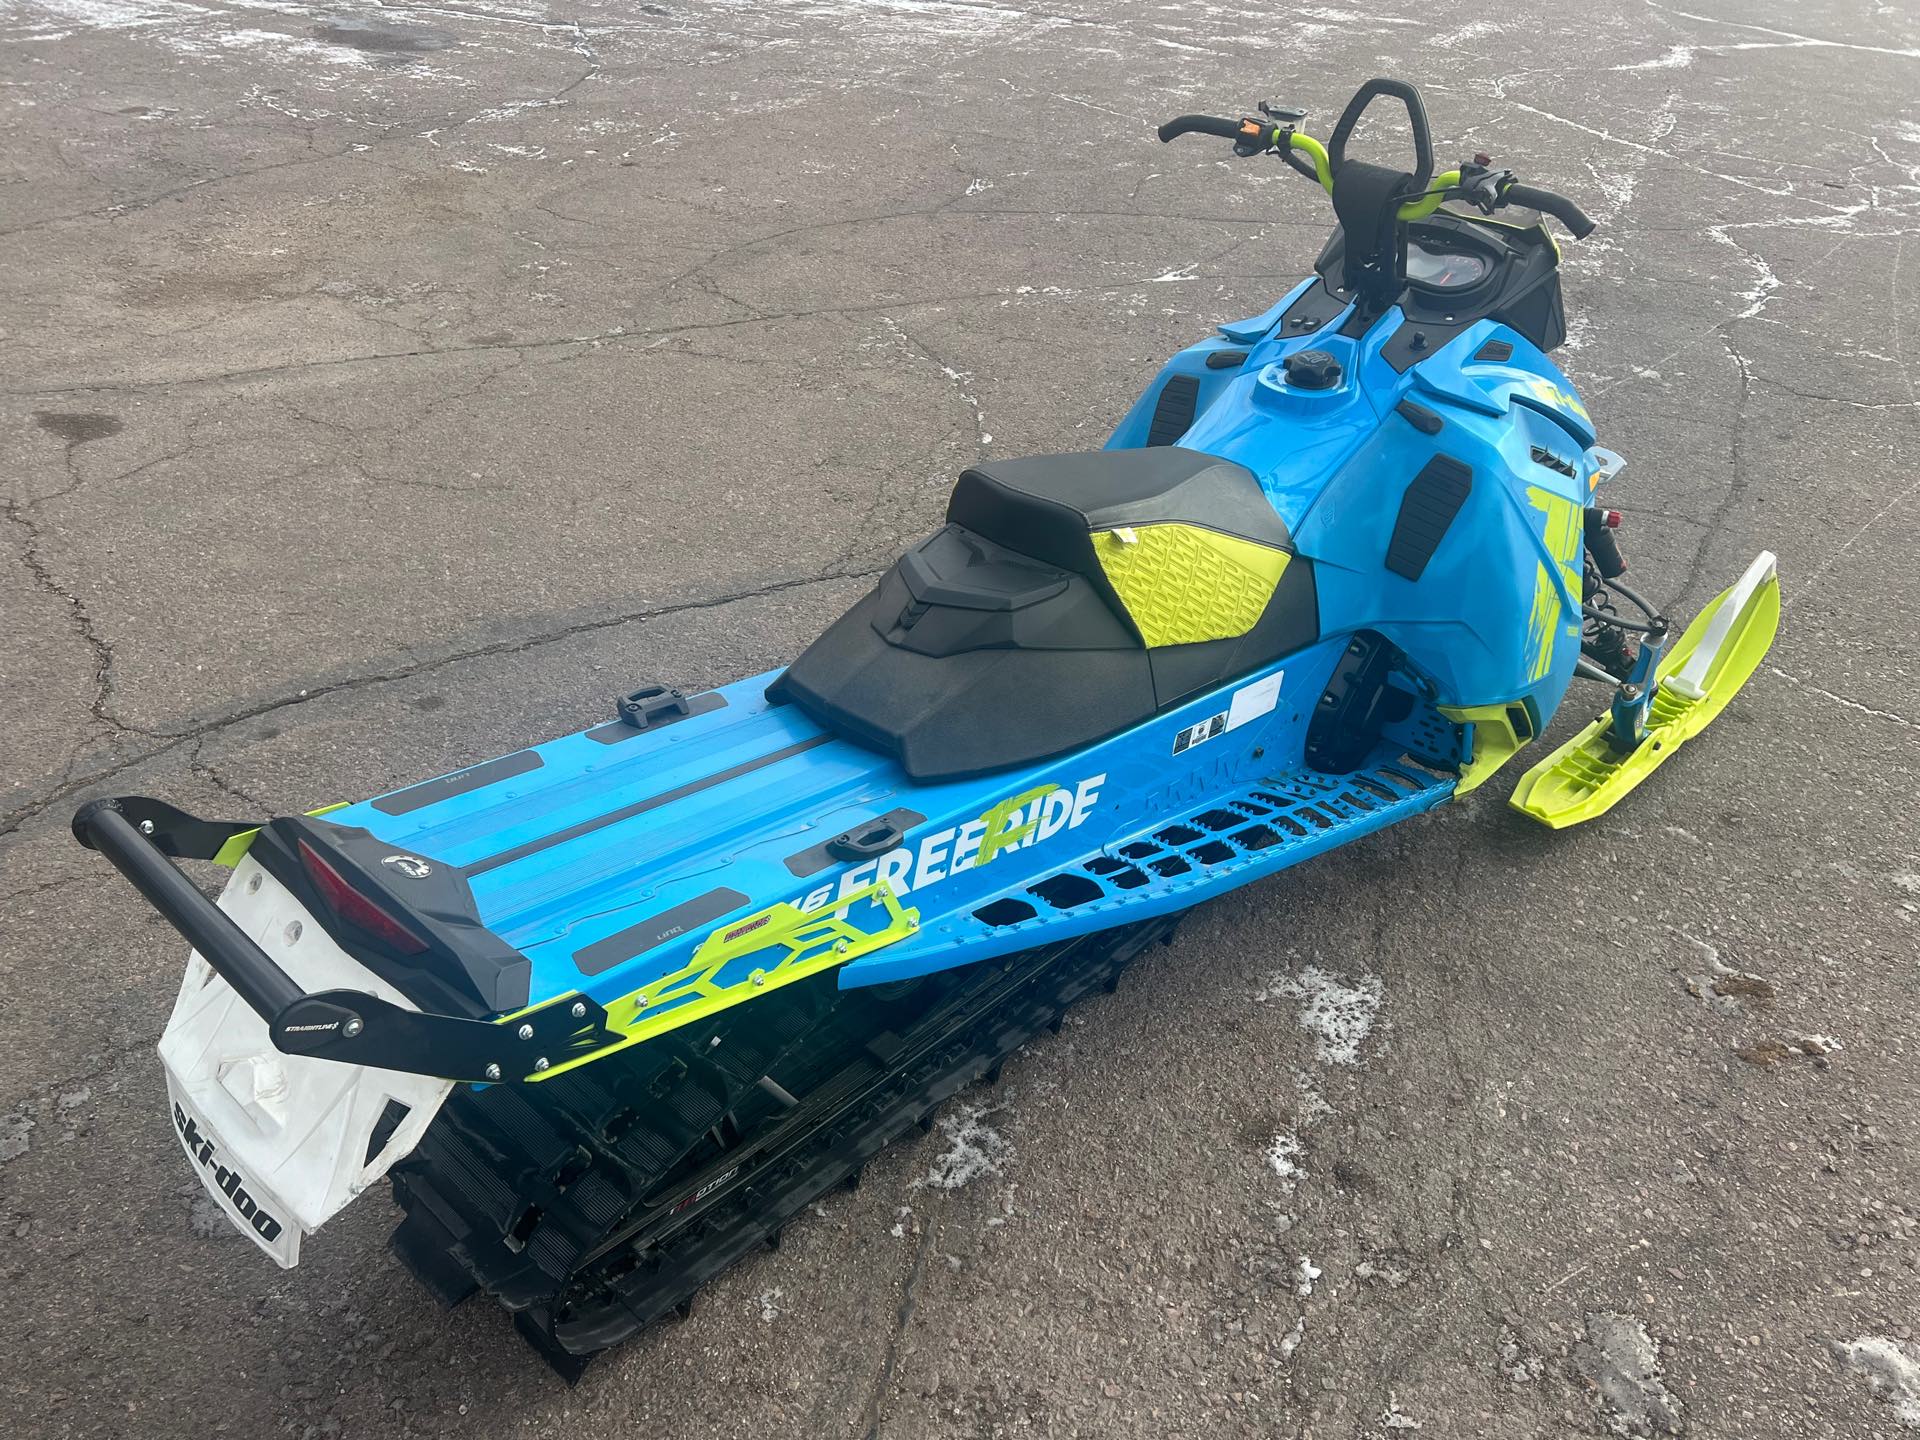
<point>1444,269</point>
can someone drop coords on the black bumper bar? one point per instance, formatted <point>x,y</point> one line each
<point>141,838</point>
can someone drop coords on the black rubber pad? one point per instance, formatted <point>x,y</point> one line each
<point>1433,498</point>
<point>1494,350</point>
<point>1173,411</point>
<point>461,782</point>
<point>1426,421</point>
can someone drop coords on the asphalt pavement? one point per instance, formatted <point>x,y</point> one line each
<point>385,387</point>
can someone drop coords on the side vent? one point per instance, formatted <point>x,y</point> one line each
<point>1173,411</point>
<point>1433,498</point>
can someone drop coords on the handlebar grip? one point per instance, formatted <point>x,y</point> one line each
<point>1547,203</point>
<point>1200,125</point>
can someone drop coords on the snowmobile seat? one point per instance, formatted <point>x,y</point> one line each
<point>1067,598</point>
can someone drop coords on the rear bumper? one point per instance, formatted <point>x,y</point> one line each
<point>142,838</point>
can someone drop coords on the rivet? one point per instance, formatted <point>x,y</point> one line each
<point>579,1010</point>
<point>913,922</point>
<point>493,1072</point>
<point>353,1027</point>
<point>292,931</point>
<point>542,1063</point>
<point>253,885</point>
<point>525,1032</point>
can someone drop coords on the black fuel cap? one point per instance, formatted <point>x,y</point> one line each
<point>1313,370</point>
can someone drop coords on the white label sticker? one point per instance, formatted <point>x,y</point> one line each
<point>1249,702</point>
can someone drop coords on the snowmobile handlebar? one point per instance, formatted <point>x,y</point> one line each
<point>1275,135</point>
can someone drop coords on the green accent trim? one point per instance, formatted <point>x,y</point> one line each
<point>810,941</point>
<point>1432,198</point>
<point>1317,152</point>
<point>1425,204</point>
<point>1585,777</point>
<point>1495,734</point>
<point>1183,584</point>
<point>998,834</point>
<point>237,844</point>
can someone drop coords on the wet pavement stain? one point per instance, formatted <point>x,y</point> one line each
<point>75,427</point>
<point>381,40</point>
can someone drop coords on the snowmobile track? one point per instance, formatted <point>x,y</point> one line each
<point>598,1203</point>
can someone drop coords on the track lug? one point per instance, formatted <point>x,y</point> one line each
<point>852,1182</point>
<point>991,1075</point>
<point>772,1241</point>
<point>925,1122</point>
<point>684,1310</point>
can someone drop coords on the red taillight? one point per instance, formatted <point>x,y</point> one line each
<point>356,909</point>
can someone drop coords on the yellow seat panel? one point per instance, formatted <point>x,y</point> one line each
<point>1183,584</point>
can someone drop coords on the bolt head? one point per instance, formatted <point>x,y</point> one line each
<point>542,1063</point>
<point>146,827</point>
<point>493,1072</point>
<point>841,947</point>
<point>353,1027</point>
<point>525,1032</point>
<point>579,1010</point>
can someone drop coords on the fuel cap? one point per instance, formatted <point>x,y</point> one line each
<point>1313,370</point>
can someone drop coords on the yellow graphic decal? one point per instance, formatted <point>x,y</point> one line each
<point>1552,394</point>
<point>1561,531</point>
<point>1000,833</point>
<point>1183,584</point>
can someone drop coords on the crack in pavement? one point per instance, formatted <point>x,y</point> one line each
<point>874,1412</point>
<point>1842,700</point>
<point>12,822</point>
<point>79,618</point>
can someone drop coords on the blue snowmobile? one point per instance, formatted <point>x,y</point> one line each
<point>613,1009</point>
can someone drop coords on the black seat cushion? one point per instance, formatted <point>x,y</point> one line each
<point>1048,506</point>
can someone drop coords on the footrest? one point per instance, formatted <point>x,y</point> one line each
<point>1726,642</point>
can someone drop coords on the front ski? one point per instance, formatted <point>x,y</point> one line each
<point>1589,774</point>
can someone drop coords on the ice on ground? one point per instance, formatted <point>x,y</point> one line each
<point>1718,983</point>
<point>1337,1014</point>
<point>1284,1155</point>
<point>1387,1275</point>
<point>207,1220</point>
<point>1678,57</point>
<point>1394,1418</point>
<point>1891,1368</point>
<point>1622,1363</point>
<point>13,1134</point>
<point>1290,1342</point>
<point>974,1148</point>
<point>1309,1272</point>
<point>1515,1363</point>
<point>770,1305</point>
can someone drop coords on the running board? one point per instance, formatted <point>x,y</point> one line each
<point>1186,857</point>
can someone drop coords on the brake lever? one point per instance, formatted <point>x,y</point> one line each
<point>1481,185</point>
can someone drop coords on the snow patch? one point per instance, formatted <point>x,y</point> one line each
<point>1891,1368</point>
<point>770,1305</point>
<point>1309,1272</point>
<point>1394,1418</point>
<point>1678,57</point>
<point>974,1148</point>
<point>1339,1015</point>
<point>1622,1362</point>
<point>1290,1342</point>
<point>1284,1156</point>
